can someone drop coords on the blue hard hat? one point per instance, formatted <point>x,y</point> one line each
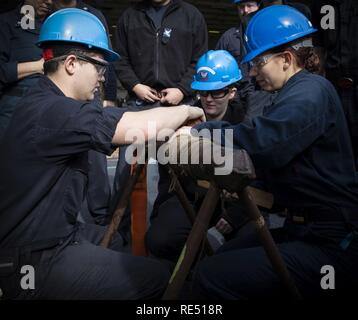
<point>215,70</point>
<point>274,26</point>
<point>77,26</point>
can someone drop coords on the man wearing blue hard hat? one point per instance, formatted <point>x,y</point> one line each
<point>216,74</point>
<point>302,144</point>
<point>44,167</point>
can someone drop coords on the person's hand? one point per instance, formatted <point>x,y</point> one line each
<point>223,226</point>
<point>145,93</point>
<point>171,96</point>
<point>195,115</point>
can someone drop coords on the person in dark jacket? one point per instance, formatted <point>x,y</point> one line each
<point>160,42</point>
<point>21,60</point>
<point>302,143</point>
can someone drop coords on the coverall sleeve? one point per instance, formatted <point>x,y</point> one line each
<point>64,130</point>
<point>292,123</point>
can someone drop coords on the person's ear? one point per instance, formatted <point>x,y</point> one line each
<point>288,60</point>
<point>232,93</point>
<point>70,64</point>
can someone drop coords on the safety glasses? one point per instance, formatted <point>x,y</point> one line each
<point>215,94</point>
<point>101,66</point>
<point>260,62</point>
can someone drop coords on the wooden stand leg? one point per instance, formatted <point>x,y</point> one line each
<point>192,246</point>
<point>121,207</point>
<point>187,206</point>
<point>268,243</point>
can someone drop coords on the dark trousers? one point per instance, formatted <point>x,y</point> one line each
<point>80,269</point>
<point>241,269</point>
<point>168,231</point>
<point>170,226</point>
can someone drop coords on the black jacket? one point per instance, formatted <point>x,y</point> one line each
<point>150,56</point>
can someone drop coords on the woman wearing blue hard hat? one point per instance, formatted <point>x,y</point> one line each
<point>302,144</point>
<point>216,74</point>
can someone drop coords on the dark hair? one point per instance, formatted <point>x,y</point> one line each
<point>63,49</point>
<point>308,58</point>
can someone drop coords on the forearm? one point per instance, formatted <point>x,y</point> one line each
<point>25,69</point>
<point>142,122</point>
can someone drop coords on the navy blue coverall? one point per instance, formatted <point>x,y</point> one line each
<point>19,45</point>
<point>44,172</point>
<point>302,143</point>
